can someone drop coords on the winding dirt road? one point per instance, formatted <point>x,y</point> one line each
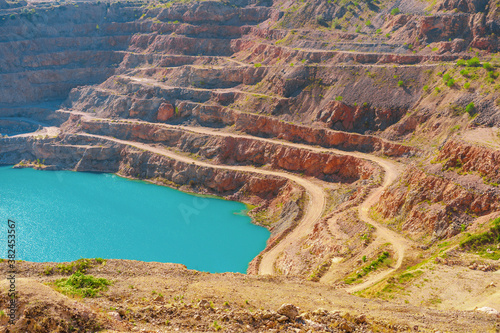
<point>317,199</point>
<point>313,210</point>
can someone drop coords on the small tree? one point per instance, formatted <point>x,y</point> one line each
<point>395,11</point>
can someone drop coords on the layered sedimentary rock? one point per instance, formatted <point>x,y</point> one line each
<point>436,204</point>
<point>467,158</point>
<point>89,154</point>
<point>237,150</point>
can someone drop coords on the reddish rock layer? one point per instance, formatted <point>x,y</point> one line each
<point>272,127</point>
<point>88,154</point>
<point>427,204</point>
<point>469,158</point>
<point>237,150</point>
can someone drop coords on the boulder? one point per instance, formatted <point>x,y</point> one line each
<point>289,310</point>
<point>488,310</point>
<point>165,111</point>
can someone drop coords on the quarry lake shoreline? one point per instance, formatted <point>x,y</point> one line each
<point>57,214</point>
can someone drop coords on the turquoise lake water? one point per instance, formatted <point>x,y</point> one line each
<point>63,216</point>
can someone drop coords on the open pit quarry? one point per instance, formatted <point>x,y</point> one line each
<point>364,135</point>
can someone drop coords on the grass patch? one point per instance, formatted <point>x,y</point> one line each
<point>396,284</point>
<point>78,266</point>
<point>382,259</point>
<point>82,285</point>
<point>482,243</point>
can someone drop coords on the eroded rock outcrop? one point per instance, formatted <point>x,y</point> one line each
<point>342,117</point>
<point>468,158</point>
<point>426,204</point>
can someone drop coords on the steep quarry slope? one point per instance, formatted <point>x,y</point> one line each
<point>363,135</point>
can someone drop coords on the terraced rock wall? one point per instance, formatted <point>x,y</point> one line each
<point>236,150</point>
<point>90,154</point>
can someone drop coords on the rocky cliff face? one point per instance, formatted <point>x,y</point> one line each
<point>88,154</point>
<point>235,150</point>
<point>433,204</point>
<point>467,158</point>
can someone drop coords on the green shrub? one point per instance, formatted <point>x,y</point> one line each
<point>470,108</point>
<point>446,77</point>
<point>473,62</point>
<point>439,73</point>
<point>461,62</point>
<point>374,264</point>
<point>78,266</point>
<point>450,83</point>
<point>321,21</point>
<point>368,268</point>
<point>82,285</point>
<point>487,66</point>
<point>48,270</point>
<point>400,83</point>
<point>426,87</point>
<point>467,85</point>
<point>368,23</point>
<point>464,72</point>
<point>257,65</point>
<point>336,24</point>
<point>395,11</point>
<point>339,98</point>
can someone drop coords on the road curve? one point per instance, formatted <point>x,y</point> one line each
<point>313,209</point>
<point>317,199</point>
